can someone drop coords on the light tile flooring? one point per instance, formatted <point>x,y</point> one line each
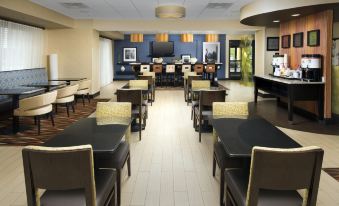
<point>169,165</point>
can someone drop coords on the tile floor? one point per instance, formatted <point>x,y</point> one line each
<point>169,165</point>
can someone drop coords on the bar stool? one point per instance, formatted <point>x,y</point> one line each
<point>210,71</point>
<point>185,68</point>
<point>157,69</point>
<point>170,73</point>
<point>144,68</point>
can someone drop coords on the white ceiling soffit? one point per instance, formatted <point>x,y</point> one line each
<point>144,9</point>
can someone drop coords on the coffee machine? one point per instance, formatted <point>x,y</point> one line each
<point>311,67</point>
<point>277,61</point>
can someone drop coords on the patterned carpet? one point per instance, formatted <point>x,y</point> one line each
<point>30,135</point>
<point>333,172</point>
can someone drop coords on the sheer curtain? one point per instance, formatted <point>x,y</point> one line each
<point>106,61</point>
<point>21,46</point>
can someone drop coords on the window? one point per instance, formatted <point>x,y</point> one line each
<point>21,46</point>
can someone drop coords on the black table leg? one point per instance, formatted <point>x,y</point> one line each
<point>321,104</point>
<point>15,105</point>
<point>290,104</point>
<point>255,93</point>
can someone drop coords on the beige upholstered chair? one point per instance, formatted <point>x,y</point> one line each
<point>144,68</point>
<point>198,84</point>
<point>84,89</point>
<point>278,174</point>
<point>67,176</point>
<point>185,77</point>
<point>121,155</point>
<point>151,87</point>
<point>66,97</point>
<point>115,109</point>
<point>220,157</point>
<point>138,84</point>
<point>170,74</point>
<point>186,68</point>
<point>36,107</point>
<point>149,74</point>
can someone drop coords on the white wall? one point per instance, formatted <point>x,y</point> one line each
<point>270,32</point>
<point>260,47</point>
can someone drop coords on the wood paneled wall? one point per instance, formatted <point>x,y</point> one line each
<point>324,22</point>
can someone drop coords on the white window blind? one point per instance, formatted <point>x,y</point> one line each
<point>21,46</point>
<point>106,61</point>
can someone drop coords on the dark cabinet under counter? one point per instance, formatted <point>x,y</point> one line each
<point>293,90</point>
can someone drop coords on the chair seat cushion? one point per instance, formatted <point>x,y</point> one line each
<point>237,182</point>
<point>82,91</point>
<point>33,112</point>
<point>104,183</point>
<point>115,160</point>
<point>64,100</point>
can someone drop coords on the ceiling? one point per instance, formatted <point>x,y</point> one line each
<point>144,9</point>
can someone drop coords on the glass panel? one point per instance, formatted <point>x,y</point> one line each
<point>238,53</point>
<point>232,53</point>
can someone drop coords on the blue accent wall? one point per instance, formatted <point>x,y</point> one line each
<point>143,52</point>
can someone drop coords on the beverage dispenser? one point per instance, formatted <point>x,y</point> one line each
<point>277,61</point>
<point>311,67</point>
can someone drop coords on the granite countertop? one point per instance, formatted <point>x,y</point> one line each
<point>286,81</point>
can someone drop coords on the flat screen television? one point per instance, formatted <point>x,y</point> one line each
<point>162,49</point>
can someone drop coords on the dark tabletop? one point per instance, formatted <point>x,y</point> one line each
<point>104,135</point>
<point>47,84</point>
<point>239,136</point>
<point>20,90</point>
<point>126,86</point>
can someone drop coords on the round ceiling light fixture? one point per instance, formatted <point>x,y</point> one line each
<point>170,12</point>
<point>276,21</point>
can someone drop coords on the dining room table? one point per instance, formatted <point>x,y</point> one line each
<point>15,93</point>
<point>239,134</point>
<point>48,86</point>
<point>68,80</point>
<point>103,134</point>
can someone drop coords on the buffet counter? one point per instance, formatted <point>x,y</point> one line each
<point>294,90</point>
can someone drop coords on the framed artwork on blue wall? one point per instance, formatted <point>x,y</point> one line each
<point>211,52</point>
<point>130,54</point>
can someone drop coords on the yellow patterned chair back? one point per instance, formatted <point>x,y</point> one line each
<point>186,74</point>
<point>149,74</point>
<point>229,109</point>
<point>138,83</point>
<point>201,84</point>
<point>107,110</point>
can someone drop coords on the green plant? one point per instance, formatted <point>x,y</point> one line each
<point>246,59</point>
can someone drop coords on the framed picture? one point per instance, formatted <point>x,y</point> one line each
<point>186,58</point>
<point>272,44</point>
<point>298,39</point>
<point>313,38</point>
<point>286,41</point>
<point>130,54</point>
<point>211,52</point>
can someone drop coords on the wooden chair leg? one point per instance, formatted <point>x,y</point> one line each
<point>119,186</point>
<point>35,121</point>
<point>89,98</point>
<point>129,164</point>
<point>214,165</point>
<point>39,125</point>
<point>52,118</point>
<point>72,105</point>
<point>140,126</point>
<point>56,108</point>
<point>222,186</point>
<point>83,100</point>
<point>67,109</point>
<point>200,128</point>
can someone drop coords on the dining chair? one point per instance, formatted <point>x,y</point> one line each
<point>151,88</point>
<point>275,176</point>
<point>220,156</point>
<point>198,84</point>
<point>84,89</point>
<point>199,68</point>
<point>121,155</point>
<point>157,69</point>
<point>170,74</point>
<point>190,78</point>
<point>144,68</point>
<point>137,84</point>
<point>185,77</point>
<point>135,97</point>
<point>67,175</point>
<point>65,97</point>
<point>210,71</point>
<point>204,110</point>
<point>36,106</point>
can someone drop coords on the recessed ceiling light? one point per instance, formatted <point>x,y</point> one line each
<point>276,21</point>
<point>295,15</point>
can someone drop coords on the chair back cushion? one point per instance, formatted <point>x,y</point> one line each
<point>85,84</point>
<point>186,74</point>
<point>207,97</point>
<point>149,74</point>
<point>37,101</point>
<point>170,68</point>
<point>186,68</point>
<point>201,84</point>
<point>133,96</point>
<point>191,78</point>
<point>63,168</point>
<point>157,68</point>
<point>285,169</point>
<point>144,68</point>
<point>210,68</point>
<point>67,91</point>
<point>230,108</point>
<point>113,109</point>
<point>138,83</point>
<point>199,68</point>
